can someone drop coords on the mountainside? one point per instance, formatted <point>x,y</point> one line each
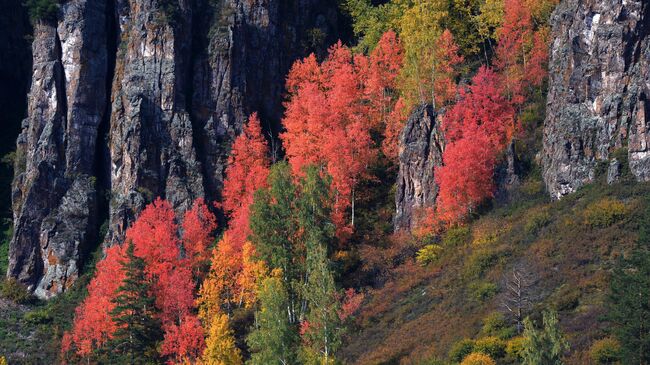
<point>136,99</point>
<point>441,184</point>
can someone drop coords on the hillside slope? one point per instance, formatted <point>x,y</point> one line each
<point>565,249</point>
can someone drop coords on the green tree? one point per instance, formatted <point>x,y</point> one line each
<point>274,231</point>
<point>544,346</point>
<point>138,330</point>
<point>273,339</point>
<point>629,308</point>
<point>629,300</point>
<point>321,328</point>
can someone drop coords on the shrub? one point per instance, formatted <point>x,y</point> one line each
<point>456,236</point>
<point>566,298</point>
<point>40,316</point>
<point>485,238</point>
<point>495,324</point>
<point>605,212</point>
<point>605,351</point>
<point>515,348</point>
<point>428,254</point>
<point>478,359</point>
<point>537,221</point>
<point>480,261</point>
<point>461,349</point>
<point>42,10</point>
<point>14,291</point>
<point>483,291</point>
<point>491,346</point>
<point>532,186</point>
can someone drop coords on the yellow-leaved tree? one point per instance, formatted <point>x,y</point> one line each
<point>220,347</point>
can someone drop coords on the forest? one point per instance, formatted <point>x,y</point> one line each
<point>297,261</point>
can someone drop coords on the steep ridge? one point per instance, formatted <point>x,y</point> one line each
<point>183,77</point>
<point>598,90</point>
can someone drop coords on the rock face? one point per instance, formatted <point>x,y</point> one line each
<point>598,92</point>
<point>421,147</point>
<point>126,95</point>
<point>53,195</point>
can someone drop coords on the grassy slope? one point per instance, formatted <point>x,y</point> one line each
<point>31,333</point>
<point>422,311</point>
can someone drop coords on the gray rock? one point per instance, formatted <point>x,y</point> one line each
<point>56,149</point>
<point>421,146</point>
<point>598,87</point>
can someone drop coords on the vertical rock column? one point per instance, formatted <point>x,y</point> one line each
<point>421,145</point>
<point>151,138</point>
<point>53,194</point>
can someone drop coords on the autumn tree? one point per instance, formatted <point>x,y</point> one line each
<point>252,273</point>
<point>380,76</point>
<point>93,325</point>
<point>198,227</point>
<point>326,124</point>
<point>217,292</point>
<point>220,346</point>
<point>477,129</point>
<point>168,265</point>
<point>137,330</point>
<point>248,168</point>
<point>521,53</point>
<point>446,58</point>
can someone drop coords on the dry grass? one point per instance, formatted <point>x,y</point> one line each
<point>422,311</point>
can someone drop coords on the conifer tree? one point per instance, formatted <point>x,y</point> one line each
<point>138,331</point>
<point>273,340</point>
<point>546,345</point>
<point>629,300</point>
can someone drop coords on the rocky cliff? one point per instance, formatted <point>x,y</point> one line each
<point>599,85</point>
<point>125,97</point>
<point>421,146</point>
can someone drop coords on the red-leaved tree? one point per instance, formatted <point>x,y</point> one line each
<point>93,325</point>
<point>521,53</point>
<point>155,236</point>
<point>248,168</point>
<point>478,128</point>
<point>331,111</point>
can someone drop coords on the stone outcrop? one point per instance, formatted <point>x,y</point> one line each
<point>137,99</point>
<point>598,92</point>
<point>421,147</point>
<point>53,194</point>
